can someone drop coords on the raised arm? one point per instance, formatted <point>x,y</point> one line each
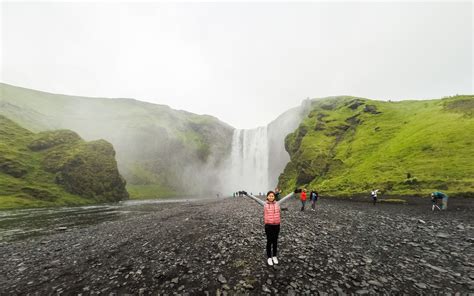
<point>258,200</point>
<point>285,198</point>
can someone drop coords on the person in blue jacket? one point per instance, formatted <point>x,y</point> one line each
<point>436,197</point>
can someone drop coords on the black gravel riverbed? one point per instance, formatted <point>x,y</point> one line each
<point>217,248</point>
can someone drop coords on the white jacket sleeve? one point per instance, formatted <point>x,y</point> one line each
<point>258,200</point>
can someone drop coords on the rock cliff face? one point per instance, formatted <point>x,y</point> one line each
<point>55,168</point>
<point>348,145</point>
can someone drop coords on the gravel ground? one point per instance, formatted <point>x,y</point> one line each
<point>217,248</point>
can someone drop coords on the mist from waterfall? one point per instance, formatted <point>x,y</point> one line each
<point>258,156</point>
<point>249,160</point>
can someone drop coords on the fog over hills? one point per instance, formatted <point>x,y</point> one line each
<point>329,143</point>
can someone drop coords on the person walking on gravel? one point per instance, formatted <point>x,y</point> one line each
<point>303,199</point>
<point>373,194</point>
<point>314,198</point>
<point>439,196</point>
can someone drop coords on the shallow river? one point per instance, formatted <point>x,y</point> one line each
<point>25,223</point>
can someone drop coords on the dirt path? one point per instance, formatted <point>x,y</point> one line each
<point>218,247</point>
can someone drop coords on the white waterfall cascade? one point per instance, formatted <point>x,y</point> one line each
<point>249,160</point>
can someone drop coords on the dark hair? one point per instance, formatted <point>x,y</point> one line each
<point>268,193</point>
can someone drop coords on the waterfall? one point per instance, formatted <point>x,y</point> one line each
<point>258,155</point>
<point>249,160</point>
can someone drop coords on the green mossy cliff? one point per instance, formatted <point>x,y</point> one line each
<point>160,151</point>
<point>349,145</point>
<point>55,168</point>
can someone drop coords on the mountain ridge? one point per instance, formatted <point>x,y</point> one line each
<point>350,145</point>
<point>160,151</point>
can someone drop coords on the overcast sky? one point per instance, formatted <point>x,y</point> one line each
<point>244,63</point>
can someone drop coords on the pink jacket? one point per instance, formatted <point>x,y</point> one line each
<point>271,213</point>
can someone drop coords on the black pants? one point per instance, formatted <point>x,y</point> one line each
<point>272,232</point>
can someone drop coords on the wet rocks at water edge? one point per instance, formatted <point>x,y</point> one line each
<point>217,248</point>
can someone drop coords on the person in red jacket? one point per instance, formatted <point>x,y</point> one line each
<point>271,214</point>
<point>303,198</point>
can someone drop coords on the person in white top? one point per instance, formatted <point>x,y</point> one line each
<point>373,193</point>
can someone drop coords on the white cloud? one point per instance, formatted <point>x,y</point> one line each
<point>243,62</point>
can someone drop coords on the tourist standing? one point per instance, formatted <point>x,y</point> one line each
<point>373,193</point>
<point>277,194</point>
<point>303,199</point>
<point>314,198</point>
<point>271,212</point>
<point>439,196</point>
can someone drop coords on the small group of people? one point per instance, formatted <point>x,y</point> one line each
<point>239,193</point>
<point>272,214</point>
<point>313,196</point>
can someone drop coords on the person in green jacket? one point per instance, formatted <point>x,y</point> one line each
<point>439,196</point>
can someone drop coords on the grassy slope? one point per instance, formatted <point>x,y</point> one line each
<point>342,151</point>
<point>25,180</point>
<point>153,142</point>
<point>14,149</point>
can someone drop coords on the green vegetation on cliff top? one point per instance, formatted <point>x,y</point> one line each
<point>55,168</point>
<point>155,144</point>
<point>349,145</point>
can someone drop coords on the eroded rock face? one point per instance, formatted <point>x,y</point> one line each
<point>40,162</point>
<point>50,139</point>
<point>92,173</point>
<point>12,167</point>
<point>87,169</point>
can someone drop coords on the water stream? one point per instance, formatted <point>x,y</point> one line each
<point>24,223</point>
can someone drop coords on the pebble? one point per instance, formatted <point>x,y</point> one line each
<point>375,283</point>
<point>421,285</point>
<point>221,279</point>
<point>265,289</point>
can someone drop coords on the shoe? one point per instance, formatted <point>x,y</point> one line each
<point>275,260</point>
<point>270,261</point>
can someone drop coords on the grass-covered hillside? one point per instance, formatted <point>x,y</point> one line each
<point>349,145</point>
<point>160,151</point>
<point>55,168</point>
